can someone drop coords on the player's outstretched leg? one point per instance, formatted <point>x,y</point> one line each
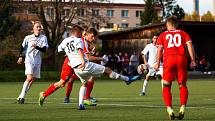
<point>41,99</point>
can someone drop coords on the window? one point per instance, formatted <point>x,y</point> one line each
<point>50,11</point>
<point>124,13</point>
<point>32,10</point>
<point>95,12</point>
<point>110,13</point>
<point>109,25</point>
<point>66,12</point>
<point>80,12</point>
<point>138,13</point>
<point>124,25</point>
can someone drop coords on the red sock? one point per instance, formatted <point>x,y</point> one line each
<point>89,89</point>
<point>69,88</point>
<point>167,96</point>
<point>183,95</point>
<point>50,90</point>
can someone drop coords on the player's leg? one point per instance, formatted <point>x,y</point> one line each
<point>145,84</point>
<point>69,88</point>
<point>168,76</point>
<point>31,71</point>
<point>25,88</point>
<point>87,99</point>
<point>81,96</point>
<point>115,75</point>
<point>182,79</point>
<point>51,89</point>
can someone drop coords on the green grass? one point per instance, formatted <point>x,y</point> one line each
<point>117,102</point>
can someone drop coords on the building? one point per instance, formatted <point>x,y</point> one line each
<point>111,15</point>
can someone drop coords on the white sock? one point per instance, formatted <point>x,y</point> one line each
<point>81,95</point>
<point>145,83</point>
<point>115,75</point>
<point>24,89</point>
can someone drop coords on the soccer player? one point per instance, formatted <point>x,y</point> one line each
<point>174,42</point>
<point>31,48</point>
<point>73,46</point>
<point>151,51</point>
<point>90,51</point>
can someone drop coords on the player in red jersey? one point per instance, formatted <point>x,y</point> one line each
<point>88,100</point>
<point>174,43</point>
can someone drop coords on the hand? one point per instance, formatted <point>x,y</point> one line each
<point>156,67</point>
<point>33,44</point>
<point>192,65</point>
<point>20,60</point>
<point>82,66</point>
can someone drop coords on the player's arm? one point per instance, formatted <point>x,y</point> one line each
<point>144,59</point>
<point>192,54</point>
<point>42,49</point>
<point>159,56</point>
<point>21,56</point>
<point>81,54</point>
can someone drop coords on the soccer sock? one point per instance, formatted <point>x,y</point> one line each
<point>81,94</point>
<point>50,90</point>
<point>167,96</point>
<point>24,89</point>
<point>115,75</point>
<point>69,88</point>
<point>90,85</point>
<point>144,85</point>
<point>183,95</point>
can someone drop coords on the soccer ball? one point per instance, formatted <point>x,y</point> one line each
<point>142,69</point>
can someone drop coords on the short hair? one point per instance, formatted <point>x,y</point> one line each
<point>75,29</point>
<point>36,22</point>
<point>173,20</point>
<point>93,31</point>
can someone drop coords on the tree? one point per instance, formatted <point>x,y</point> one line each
<point>149,15</point>
<point>8,23</point>
<point>166,6</point>
<point>207,17</point>
<point>195,17</point>
<point>178,11</point>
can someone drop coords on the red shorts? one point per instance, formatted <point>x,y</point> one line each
<point>67,71</point>
<point>175,66</point>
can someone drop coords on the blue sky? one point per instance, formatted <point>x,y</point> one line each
<point>187,5</point>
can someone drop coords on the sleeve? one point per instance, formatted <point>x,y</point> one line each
<point>160,40</point>
<point>145,50</point>
<point>187,37</point>
<point>25,42</point>
<point>61,46</point>
<point>45,42</point>
<point>80,44</point>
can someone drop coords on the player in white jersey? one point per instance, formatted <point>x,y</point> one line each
<point>151,50</point>
<point>73,47</point>
<point>32,47</point>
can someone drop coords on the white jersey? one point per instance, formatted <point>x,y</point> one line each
<point>32,55</point>
<point>71,45</point>
<point>152,50</point>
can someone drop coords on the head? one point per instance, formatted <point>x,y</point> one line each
<point>84,32</point>
<point>76,31</point>
<point>37,27</point>
<point>91,35</point>
<point>154,39</point>
<point>172,22</point>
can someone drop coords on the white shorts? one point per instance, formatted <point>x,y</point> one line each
<point>91,69</point>
<point>153,72</point>
<point>33,69</point>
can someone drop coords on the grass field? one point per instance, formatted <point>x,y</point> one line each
<point>117,102</point>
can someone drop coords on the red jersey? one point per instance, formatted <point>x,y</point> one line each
<point>173,42</point>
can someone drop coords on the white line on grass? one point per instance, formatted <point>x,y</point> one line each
<point>121,105</point>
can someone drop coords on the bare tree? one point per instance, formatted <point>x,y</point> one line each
<point>58,15</point>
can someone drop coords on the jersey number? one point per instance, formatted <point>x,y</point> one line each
<point>173,40</point>
<point>70,46</point>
